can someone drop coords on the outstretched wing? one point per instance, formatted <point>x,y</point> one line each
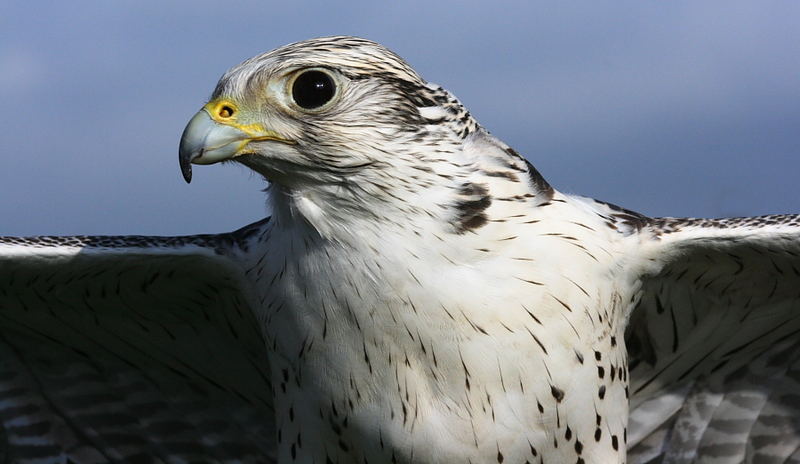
<point>131,349</point>
<point>715,340</point>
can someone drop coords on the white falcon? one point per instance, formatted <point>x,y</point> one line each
<point>420,295</point>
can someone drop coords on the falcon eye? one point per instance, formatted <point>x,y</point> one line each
<point>313,89</point>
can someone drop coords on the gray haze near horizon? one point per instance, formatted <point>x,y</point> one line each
<point>668,108</point>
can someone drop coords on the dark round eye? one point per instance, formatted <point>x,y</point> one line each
<point>313,89</point>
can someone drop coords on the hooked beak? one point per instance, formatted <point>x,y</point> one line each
<point>213,135</point>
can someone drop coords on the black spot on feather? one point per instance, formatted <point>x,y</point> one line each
<point>557,393</point>
<point>470,209</point>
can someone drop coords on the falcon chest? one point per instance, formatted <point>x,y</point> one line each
<point>472,348</point>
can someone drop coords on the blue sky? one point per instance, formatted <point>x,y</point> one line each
<point>669,108</point>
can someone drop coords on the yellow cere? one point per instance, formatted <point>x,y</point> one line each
<point>226,112</point>
<point>223,111</point>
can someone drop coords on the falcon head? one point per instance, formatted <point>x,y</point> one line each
<point>323,111</point>
<point>346,129</point>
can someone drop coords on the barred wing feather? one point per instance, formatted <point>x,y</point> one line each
<point>130,349</point>
<point>714,343</point>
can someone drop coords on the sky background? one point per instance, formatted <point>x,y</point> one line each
<point>680,108</point>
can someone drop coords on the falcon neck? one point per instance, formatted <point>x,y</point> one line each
<point>332,214</point>
<point>456,192</point>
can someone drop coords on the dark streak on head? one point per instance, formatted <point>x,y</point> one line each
<point>505,174</point>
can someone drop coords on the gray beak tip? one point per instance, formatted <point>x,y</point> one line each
<point>186,170</point>
<point>192,141</point>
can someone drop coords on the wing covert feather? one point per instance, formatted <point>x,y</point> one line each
<point>134,349</point>
<point>714,342</point>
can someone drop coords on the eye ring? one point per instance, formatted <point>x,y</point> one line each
<point>313,89</point>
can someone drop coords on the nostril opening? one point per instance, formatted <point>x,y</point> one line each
<point>225,112</point>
